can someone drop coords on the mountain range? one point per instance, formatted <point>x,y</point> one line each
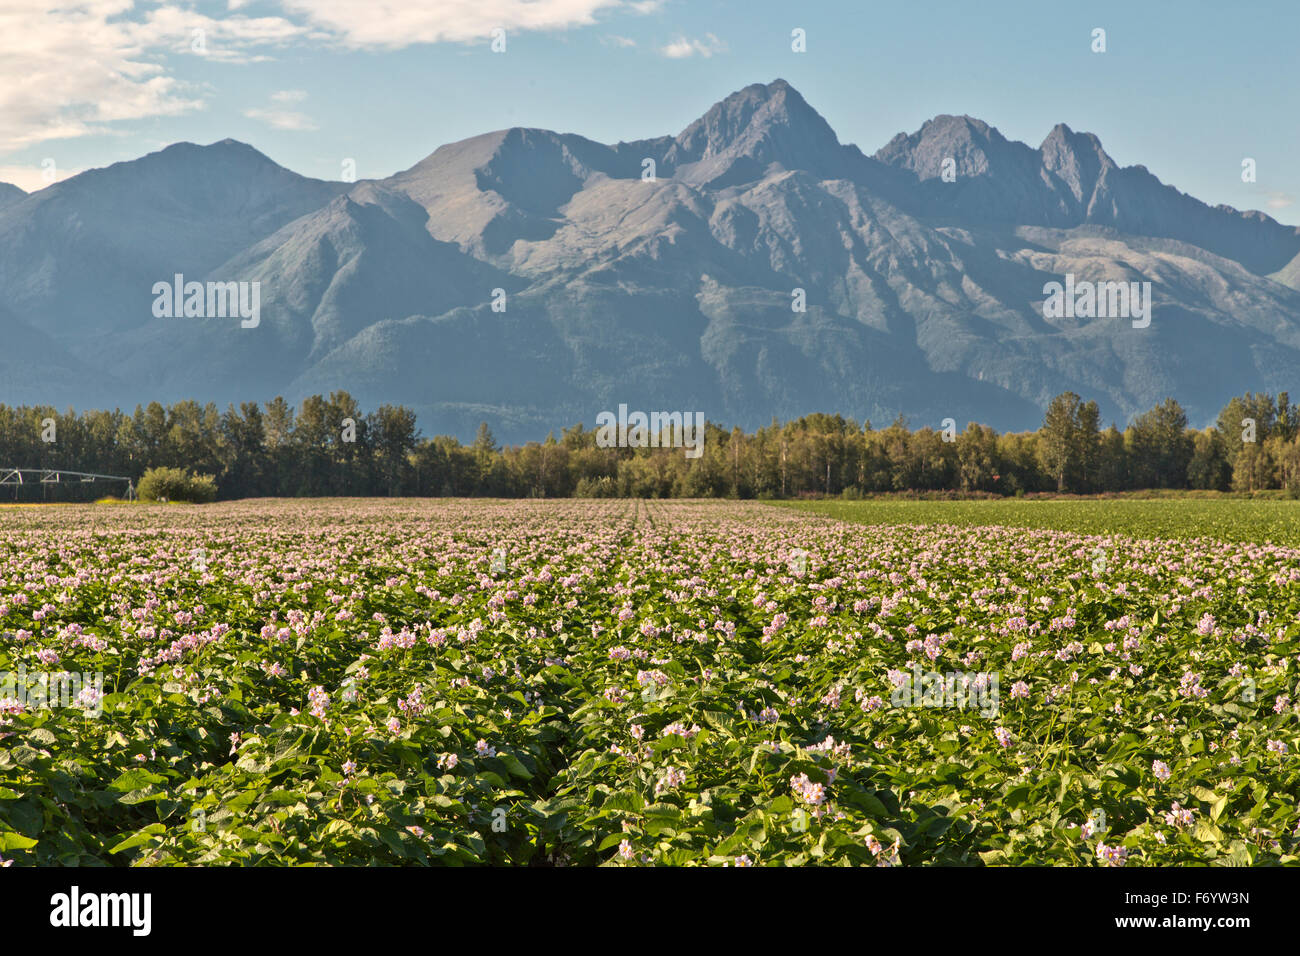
<point>533,279</point>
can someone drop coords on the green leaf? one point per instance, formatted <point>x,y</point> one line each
<point>136,779</point>
<point>15,841</point>
<point>140,838</point>
<point>1017,796</point>
<point>516,768</point>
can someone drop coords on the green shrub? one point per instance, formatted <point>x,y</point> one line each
<point>173,484</point>
<point>602,487</point>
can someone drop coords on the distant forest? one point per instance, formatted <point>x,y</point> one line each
<point>275,450</point>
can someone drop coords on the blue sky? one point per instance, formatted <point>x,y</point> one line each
<point>1189,89</point>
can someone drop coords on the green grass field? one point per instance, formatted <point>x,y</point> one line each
<point>1224,519</point>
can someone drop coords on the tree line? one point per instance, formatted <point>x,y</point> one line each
<point>328,446</point>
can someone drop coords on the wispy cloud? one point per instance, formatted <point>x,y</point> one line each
<point>400,23</point>
<point>83,67</point>
<point>282,119</point>
<point>279,116</point>
<point>1280,200</point>
<point>615,40</point>
<point>690,46</point>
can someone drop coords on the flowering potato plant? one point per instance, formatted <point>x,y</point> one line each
<point>627,683</point>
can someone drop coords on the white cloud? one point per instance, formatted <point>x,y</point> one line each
<point>400,23</point>
<point>1280,200</point>
<point>283,119</point>
<point>615,40</point>
<point>74,69</point>
<point>229,39</point>
<point>689,46</point>
<point>71,68</point>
